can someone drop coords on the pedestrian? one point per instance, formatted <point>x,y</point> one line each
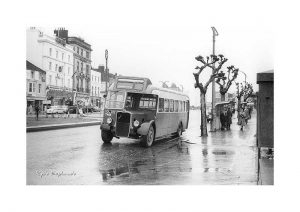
<point>250,111</point>
<point>222,119</point>
<point>37,110</point>
<point>229,118</point>
<point>246,111</point>
<point>242,119</point>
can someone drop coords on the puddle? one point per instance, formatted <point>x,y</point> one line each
<point>222,152</point>
<point>124,171</point>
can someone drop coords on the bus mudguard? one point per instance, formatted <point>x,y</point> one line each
<point>104,127</point>
<point>144,128</point>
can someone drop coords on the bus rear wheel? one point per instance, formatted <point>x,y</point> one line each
<point>148,139</point>
<point>106,136</point>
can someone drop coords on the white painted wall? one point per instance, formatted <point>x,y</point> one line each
<point>38,47</point>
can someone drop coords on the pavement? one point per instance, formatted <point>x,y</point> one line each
<point>61,121</point>
<point>76,157</point>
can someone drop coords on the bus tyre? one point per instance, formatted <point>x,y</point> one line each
<point>148,139</point>
<point>107,136</point>
<point>179,130</point>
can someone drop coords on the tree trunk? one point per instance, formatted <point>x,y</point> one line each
<point>238,109</point>
<point>222,97</point>
<point>203,115</point>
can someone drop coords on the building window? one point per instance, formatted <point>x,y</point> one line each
<point>98,91</point>
<point>92,90</point>
<point>56,54</point>
<point>56,67</point>
<point>77,65</point>
<point>87,54</point>
<point>77,50</point>
<point>40,76</point>
<point>32,74</point>
<point>81,52</point>
<point>40,87</point>
<point>30,87</point>
<point>33,87</point>
<point>68,70</point>
<point>50,66</point>
<point>50,51</point>
<point>87,69</point>
<point>62,56</point>
<point>50,79</point>
<point>68,58</point>
<point>68,83</point>
<point>81,66</point>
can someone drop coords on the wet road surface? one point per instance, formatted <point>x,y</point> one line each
<point>78,156</point>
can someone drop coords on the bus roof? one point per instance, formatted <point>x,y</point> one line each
<point>148,88</point>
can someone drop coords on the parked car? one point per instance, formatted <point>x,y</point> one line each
<point>96,109</point>
<point>59,109</point>
<point>72,110</point>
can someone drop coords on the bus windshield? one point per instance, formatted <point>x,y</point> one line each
<point>138,101</point>
<point>115,100</point>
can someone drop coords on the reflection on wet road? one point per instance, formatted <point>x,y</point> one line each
<point>225,157</point>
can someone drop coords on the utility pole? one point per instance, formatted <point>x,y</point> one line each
<point>213,103</point>
<point>106,72</point>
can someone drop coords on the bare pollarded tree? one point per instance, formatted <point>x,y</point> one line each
<point>225,81</point>
<point>215,63</point>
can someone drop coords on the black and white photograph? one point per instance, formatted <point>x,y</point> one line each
<point>150,106</point>
<point>129,114</point>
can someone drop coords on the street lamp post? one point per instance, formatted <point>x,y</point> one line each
<point>213,111</point>
<point>245,76</point>
<point>106,71</point>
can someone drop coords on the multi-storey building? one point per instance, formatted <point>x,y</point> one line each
<point>105,82</point>
<point>56,57</point>
<point>35,87</point>
<point>82,66</point>
<point>95,94</point>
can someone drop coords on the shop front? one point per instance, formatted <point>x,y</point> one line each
<point>96,101</point>
<point>32,102</point>
<point>59,97</point>
<point>82,99</point>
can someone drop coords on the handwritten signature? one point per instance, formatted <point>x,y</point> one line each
<point>53,173</point>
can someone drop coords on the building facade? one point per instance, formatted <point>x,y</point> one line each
<point>56,57</point>
<point>96,87</point>
<point>82,66</point>
<point>35,87</point>
<point>105,82</point>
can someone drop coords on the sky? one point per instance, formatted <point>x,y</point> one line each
<point>168,53</point>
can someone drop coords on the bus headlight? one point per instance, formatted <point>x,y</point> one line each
<point>136,123</point>
<point>109,120</point>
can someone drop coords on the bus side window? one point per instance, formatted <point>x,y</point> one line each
<point>166,105</point>
<point>171,105</point>
<point>161,105</point>
<point>180,106</point>
<point>176,105</point>
<point>183,106</point>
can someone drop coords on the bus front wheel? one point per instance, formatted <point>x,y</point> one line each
<point>148,139</point>
<point>107,136</point>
